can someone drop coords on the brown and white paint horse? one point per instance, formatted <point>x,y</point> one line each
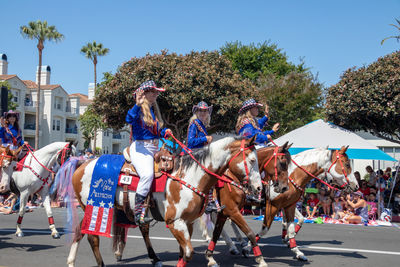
<point>182,205</point>
<point>333,166</point>
<point>273,164</point>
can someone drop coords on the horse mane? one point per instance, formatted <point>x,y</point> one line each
<point>306,157</point>
<point>201,154</point>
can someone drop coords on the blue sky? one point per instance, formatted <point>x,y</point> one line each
<point>330,36</point>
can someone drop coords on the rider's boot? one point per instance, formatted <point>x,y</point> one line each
<point>140,210</point>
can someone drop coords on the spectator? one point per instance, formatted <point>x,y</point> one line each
<point>337,207</point>
<point>358,207</point>
<point>89,154</point>
<point>325,201</point>
<point>312,205</point>
<point>372,176</point>
<point>358,177</point>
<point>364,189</point>
<point>372,208</point>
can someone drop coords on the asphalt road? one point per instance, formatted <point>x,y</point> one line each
<point>324,245</point>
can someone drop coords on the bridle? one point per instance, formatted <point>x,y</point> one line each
<point>242,150</point>
<point>338,158</point>
<point>275,157</point>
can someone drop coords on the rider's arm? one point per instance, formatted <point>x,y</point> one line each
<point>133,114</point>
<point>2,132</point>
<point>249,131</point>
<point>194,141</point>
<point>262,121</point>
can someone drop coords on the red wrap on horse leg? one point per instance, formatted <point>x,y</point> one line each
<point>284,233</point>
<point>211,246</point>
<point>51,220</point>
<point>19,221</point>
<point>181,263</point>
<point>256,251</point>
<point>297,228</point>
<point>292,243</point>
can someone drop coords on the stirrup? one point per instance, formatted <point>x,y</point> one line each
<point>142,220</point>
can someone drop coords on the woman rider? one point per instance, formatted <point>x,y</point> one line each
<point>10,133</point>
<point>248,126</point>
<point>198,137</point>
<point>146,122</point>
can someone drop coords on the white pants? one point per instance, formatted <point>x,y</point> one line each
<point>142,156</point>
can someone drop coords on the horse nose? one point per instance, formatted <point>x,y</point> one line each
<point>284,189</point>
<point>259,189</point>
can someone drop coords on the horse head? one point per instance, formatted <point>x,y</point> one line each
<point>274,162</point>
<point>66,152</point>
<point>243,163</point>
<point>8,158</point>
<point>340,171</point>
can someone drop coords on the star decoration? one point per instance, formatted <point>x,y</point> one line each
<point>90,202</point>
<point>110,204</point>
<point>102,204</point>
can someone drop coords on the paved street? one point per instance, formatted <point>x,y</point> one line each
<point>324,245</point>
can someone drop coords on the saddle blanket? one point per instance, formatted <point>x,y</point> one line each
<point>132,181</point>
<point>100,205</point>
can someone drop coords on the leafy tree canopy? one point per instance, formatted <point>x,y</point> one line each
<point>90,123</point>
<point>294,99</point>
<point>253,61</point>
<point>188,79</point>
<point>368,98</point>
<point>11,104</point>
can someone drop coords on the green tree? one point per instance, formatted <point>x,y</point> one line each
<point>92,51</point>
<point>41,32</point>
<point>188,79</point>
<point>397,37</point>
<point>253,61</point>
<point>368,98</point>
<point>11,104</point>
<point>90,124</point>
<point>294,99</point>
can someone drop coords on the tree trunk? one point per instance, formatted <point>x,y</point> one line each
<point>94,95</point>
<point>37,121</point>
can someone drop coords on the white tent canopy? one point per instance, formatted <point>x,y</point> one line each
<point>324,134</point>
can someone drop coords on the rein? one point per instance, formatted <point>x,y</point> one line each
<point>4,155</point>
<point>189,151</point>
<point>275,156</point>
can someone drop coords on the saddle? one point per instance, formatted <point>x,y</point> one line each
<point>129,178</point>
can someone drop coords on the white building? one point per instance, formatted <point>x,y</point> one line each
<point>60,111</point>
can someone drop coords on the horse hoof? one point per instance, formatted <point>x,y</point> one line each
<point>246,252</point>
<point>20,234</point>
<point>234,251</point>
<point>158,264</point>
<point>302,258</point>
<point>56,236</point>
<point>119,258</point>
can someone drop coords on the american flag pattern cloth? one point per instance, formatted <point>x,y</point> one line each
<point>100,205</point>
<point>249,103</point>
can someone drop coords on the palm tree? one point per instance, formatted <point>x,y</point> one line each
<point>397,37</point>
<point>41,32</point>
<point>92,51</point>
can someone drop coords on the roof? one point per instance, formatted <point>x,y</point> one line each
<point>83,99</point>
<point>7,77</point>
<point>324,134</point>
<point>32,85</point>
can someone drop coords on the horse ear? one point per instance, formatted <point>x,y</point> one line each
<point>75,143</point>
<point>285,145</point>
<point>343,149</point>
<point>252,140</point>
<point>70,143</point>
<point>289,146</point>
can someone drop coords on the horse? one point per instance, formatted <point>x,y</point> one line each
<point>272,163</point>
<point>335,169</point>
<point>7,157</point>
<point>35,177</point>
<point>184,197</point>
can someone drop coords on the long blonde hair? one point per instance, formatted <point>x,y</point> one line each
<point>246,115</point>
<point>147,118</point>
<point>194,117</point>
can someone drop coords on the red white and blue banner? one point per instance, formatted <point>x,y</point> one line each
<point>100,204</point>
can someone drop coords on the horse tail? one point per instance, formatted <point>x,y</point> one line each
<point>62,186</point>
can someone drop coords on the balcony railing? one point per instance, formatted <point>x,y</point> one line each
<point>71,110</point>
<point>30,103</point>
<point>117,136</point>
<point>71,130</point>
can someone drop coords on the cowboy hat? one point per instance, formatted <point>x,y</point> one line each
<point>148,85</point>
<point>248,104</point>
<point>202,105</point>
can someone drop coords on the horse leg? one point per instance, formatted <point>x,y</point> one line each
<point>228,240</point>
<point>243,243</point>
<point>270,212</point>
<point>46,203</point>
<point>300,221</point>
<point>23,199</point>
<point>285,239</point>
<point>119,241</point>
<point>219,225</point>
<point>74,246</point>
<point>292,227</point>
<point>180,231</point>
<point>238,219</point>
<point>144,229</point>
<point>94,241</point>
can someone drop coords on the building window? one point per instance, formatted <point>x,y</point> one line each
<point>56,125</point>
<point>15,96</point>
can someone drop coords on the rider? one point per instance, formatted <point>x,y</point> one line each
<point>198,137</point>
<point>10,133</point>
<point>248,126</point>
<point>146,123</point>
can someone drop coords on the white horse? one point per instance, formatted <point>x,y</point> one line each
<point>35,177</point>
